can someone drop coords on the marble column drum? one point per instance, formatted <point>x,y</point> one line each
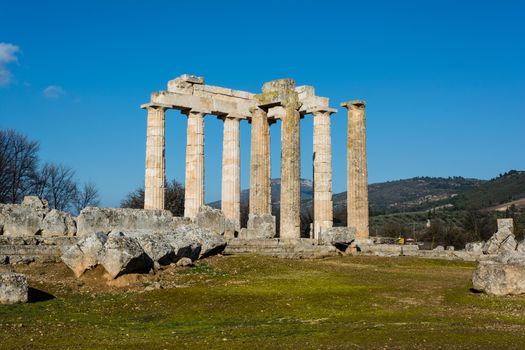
<point>290,224</point>
<point>357,185</point>
<point>322,147</point>
<point>231,176</point>
<point>155,159</point>
<point>194,192</point>
<point>260,201</point>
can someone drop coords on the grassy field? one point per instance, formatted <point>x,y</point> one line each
<point>247,302</point>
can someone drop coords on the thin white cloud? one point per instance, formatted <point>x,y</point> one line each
<point>7,55</point>
<point>54,91</point>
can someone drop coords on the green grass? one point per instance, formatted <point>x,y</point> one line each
<point>249,302</point>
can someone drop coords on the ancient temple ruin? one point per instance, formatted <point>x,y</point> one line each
<point>279,100</point>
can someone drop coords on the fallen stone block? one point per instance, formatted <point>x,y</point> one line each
<point>183,246</point>
<point>35,203</point>
<point>503,240</point>
<point>511,257</point>
<point>155,245</point>
<point>231,228</point>
<point>520,249</point>
<point>340,237</point>
<point>58,224</point>
<point>211,243</point>
<point>261,226</point>
<point>21,259</point>
<point>122,255</point>
<point>498,278</point>
<point>211,219</point>
<point>20,220</point>
<point>475,247</point>
<point>13,288</point>
<point>83,255</point>
<point>185,262</point>
<point>93,220</point>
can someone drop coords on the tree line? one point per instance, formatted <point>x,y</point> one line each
<point>22,174</point>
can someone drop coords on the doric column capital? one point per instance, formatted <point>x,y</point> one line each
<point>155,106</point>
<point>355,104</point>
<point>257,112</point>
<point>230,116</point>
<point>324,110</point>
<point>193,113</point>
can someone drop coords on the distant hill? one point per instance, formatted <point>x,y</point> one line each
<point>420,193</point>
<point>307,193</point>
<point>508,187</point>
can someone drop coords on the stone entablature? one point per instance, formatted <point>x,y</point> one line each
<point>189,92</point>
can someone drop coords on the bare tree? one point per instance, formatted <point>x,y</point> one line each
<point>57,184</point>
<point>174,198</point>
<point>18,165</point>
<point>87,196</point>
<point>307,218</point>
<point>134,200</point>
<point>245,213</point>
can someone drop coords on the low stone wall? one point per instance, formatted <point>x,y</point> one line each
<point>25,250</point>
<point>413,250</point>
<point>302,249</point>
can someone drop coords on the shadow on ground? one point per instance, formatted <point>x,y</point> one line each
<point>36,295</point>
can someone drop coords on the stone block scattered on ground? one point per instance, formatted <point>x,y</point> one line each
<point>21,259</point>
<point>35,203</point>
<point>211,243</point>
<point>122,255</point>
<point>261,226</point>
<point>521,247</point>
<point>13,288</point>
<point>340,237</point>
<point>156,246</point>
<point>57,224</point>
<point>498,278</point>
<point>502,240</point>
<point>211,219</point>
<point>23,219</point>
<point>183,245</point>
<point>93,220</point>
<point>185,262</point>
<point>475,247</point>
<point>84,255</point>
<point>231,228</point>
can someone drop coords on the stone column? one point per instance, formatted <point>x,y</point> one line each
<point>323,205</point>
<point>155,159</point>
<point>231,176</point>
<point>194,193</point>
<point>269,167</point>
<point>260,202</point>
<point>357,191</point>
<point>290,226</point>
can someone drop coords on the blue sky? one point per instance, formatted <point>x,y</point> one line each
<point>444,80</point>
